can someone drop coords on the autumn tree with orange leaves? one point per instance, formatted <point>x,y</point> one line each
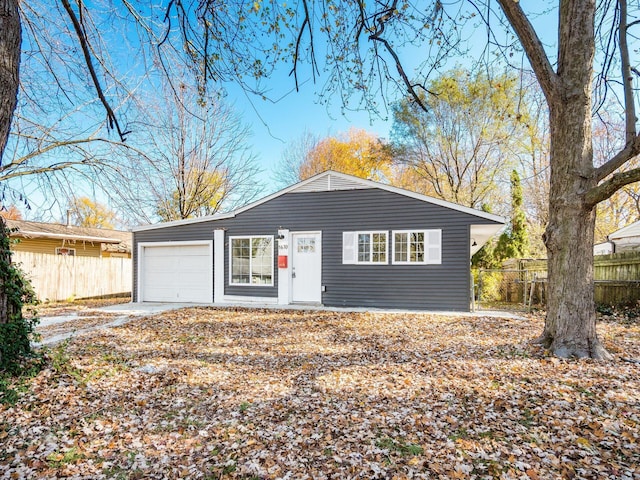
<point>355,152</point>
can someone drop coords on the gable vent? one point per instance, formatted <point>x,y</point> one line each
<point>318,185</point>
<point>329,182</point>
<point>340,183</point>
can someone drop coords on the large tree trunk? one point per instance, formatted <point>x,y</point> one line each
<point>10,40</point>
<point>570,328</point>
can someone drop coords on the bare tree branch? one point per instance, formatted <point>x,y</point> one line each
<point>532,46</point>
<point>612,185</point>
<point>84,44</point>
<point>40,151</point>
<point>630,151</point>
<point>381,19</point>
<point>630,108</point>
<point>306,24</point>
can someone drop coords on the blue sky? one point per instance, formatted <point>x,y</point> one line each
<point>276,124</point>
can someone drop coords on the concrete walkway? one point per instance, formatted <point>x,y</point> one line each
<point>122,313</point>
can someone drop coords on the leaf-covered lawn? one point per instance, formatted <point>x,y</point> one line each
<point>208,393</point>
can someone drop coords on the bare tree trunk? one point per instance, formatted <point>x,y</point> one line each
<point>570,328</point>
<point>10,40</point>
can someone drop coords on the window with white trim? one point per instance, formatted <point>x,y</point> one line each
<point>251,260</point>
<point>66,251</point>
<point>417,247</point>
<point>364,247</point>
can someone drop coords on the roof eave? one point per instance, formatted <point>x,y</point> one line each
<point>61,236</point>
<point>362,181</point>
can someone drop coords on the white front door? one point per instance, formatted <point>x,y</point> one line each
<point>306,267</point>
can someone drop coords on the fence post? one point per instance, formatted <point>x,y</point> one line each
<point>533,289</point>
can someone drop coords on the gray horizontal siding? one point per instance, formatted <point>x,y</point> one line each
<point>437,287</point>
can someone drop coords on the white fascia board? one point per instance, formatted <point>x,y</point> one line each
<point>281,192</point>
<point>188,221</point>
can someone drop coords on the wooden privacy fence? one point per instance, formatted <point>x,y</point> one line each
<point>616,281</point>
<point>60,277</point>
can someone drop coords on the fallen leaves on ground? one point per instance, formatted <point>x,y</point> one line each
<point>213,393</point>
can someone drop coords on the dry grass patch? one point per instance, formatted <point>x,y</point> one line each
<point>209,393</point>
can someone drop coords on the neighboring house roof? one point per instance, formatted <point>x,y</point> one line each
<point>631,230</point>
<point>111,240</point>
<point>604,248</point>
<point>328,181</point>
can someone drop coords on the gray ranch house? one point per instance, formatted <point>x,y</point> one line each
<point>333,240</point>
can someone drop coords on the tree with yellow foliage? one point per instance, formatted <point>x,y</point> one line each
<point>89,213</point>
<point>460,148</point>
<point>355,152</point>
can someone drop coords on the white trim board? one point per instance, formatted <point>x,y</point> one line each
<point>246,299</point>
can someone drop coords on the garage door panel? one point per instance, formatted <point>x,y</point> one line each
<point>184,250</point>
<point>161,265</point>
<point>177,273</point>
<point>191,263</point>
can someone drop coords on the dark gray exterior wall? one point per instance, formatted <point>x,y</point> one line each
<point>437,287</point>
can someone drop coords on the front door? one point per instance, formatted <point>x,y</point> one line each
<point>306,267</point>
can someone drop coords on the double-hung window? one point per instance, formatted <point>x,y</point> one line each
<point>365,247</point>
<point>251,260</point>
<point>417,246</point>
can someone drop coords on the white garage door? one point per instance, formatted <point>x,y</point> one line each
<point>176,273</point>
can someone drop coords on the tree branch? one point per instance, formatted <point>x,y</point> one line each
<point>296,56</point>
<point>630,150</point>
<point>40,170</point>
<point>629,105</point>
<point>84,44</point>
<point>612,185</point>
<point>381,20</point>
<point>532,45</point>
<point>19,161</point>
